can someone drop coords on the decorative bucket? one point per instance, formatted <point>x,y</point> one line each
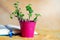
<point>27,28</point>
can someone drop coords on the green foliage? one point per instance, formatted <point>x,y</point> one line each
<point>11,16</point>
<point>29,9</point>
<point>35,19</point>
<point>19,14</point>
<point>16,4</point>
<point>16,12</point>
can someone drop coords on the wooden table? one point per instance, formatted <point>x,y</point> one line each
<point>42,35</point>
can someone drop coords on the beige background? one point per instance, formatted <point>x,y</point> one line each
<point>49,9</point>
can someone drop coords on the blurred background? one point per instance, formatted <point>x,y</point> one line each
<point>49,10</point>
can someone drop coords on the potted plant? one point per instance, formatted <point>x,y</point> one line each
<point>27,25</point>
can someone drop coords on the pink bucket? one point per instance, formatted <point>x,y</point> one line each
<point>27,28</point>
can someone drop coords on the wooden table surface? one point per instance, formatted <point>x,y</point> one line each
<point>42,35</point>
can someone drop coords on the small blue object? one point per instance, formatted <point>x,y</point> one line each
<point>10,33</point>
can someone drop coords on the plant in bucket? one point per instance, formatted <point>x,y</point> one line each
<point>27,25</point>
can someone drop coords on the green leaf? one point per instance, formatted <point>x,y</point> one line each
<point>11,16</point>
<point>30,14</point>
<point>38,14</point>
<point>16,4</point>
<point>35,19</point>
<point>31,11</point>
<point>29,8</point>
<point>21,15</point>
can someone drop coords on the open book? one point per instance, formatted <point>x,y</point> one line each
<point>5,29</point>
